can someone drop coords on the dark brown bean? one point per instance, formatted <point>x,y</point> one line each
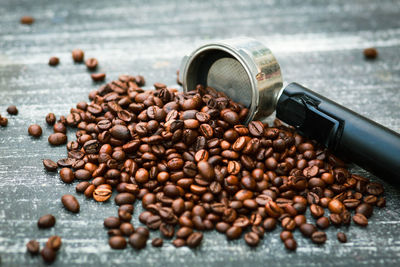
<point>50,165</point>
<point>54,61</point>
<point>342,237</point>
<point>318,237</point>
<point>54,242</point>
<point>70,203</point>
<point>48,254</point>
<point>137,240</point>
<point>194,239</point>
<point>117,242</point>
<point>77,55</point>
<point>57,139</point>
<point>33,247</point>
<point>12,110</point>
<point>360,219</point>
<point>67,175</point>
<point>157,242</point>
<point>46,221</point>
<point>35,130</point>
<point>252,239</point>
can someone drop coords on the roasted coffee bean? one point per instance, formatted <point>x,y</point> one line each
<point>286,235</point>
<point>112,222</point>
<point>323,223</point>
<point>252,239</point>
<point>318,237</point>
<point>365,209</point>
<point>269,224</point>
<point>12,110</point>
<point>194,239</point>
<point>67,175</point>
<point>48,254</point>
<point>157,242</point>
<point>57,139</point>
<point>46,221</point>
<point>91,63</point>
<point>233,232</point>
<point>3,121</point>
<point>117,242</point>
<point>179,242</point>
<point>70,203</point>
<point>370,53</point>
<point>50,119</point>
<point>28,20</point>
<point>98,77</point>
<point>342,237</point>
<point>102,194</point>
<point>137,240</point>
<point>307,229</point>
<point>53,61</point>
<point>335,219</point>
<point>360,219</point>
<point>256,128</point>
<point>335,206</point>
<point>82,186</point>
<point>316,211</point>
<point>77,55</point>
<point>50,165</point>
<point>290,244</point>
<point>54,242</point>
<point>124,198</point>
<point>33,247</point>
<point>35,130</point>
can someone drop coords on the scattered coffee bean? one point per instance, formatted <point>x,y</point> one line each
<point>50,165</point>
<point>67,175</point>
<point>50,119</point>
<point>98,77</point>
<point>117,242</point>
<point>91,63</point>
<point>70,203</point>
<point>194,239</point>
<point>360,219</point>
<point>57,139</point>
<point>370,53</point>
<point>48,254</point>
<point>54,61</point>
<point>33,247</point>
<point>35,130</point>
<point>46,221</point>
<point>77,55</point>
<point>54,242</point>
<point>318,237</point>
<point>157,242</point>
<point>3,121</point>
<point>342,237</point>
<point>137,240</point>
<point>12,110</point>
<point>290,244</point>
<point>27,20</point>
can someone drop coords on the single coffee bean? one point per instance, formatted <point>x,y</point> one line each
<point>365,209</point>
<point>48,254</point>
<point>370,53</point>
<point>342,237</point>
<point>54,242</point>
<point>3,121</point>
<point>252,239</point>
<point>53,61</point>
<point>307,229</point>
<point>50,119</point>
<point>91,63</point>
<point>82,186</point>
<point>33,247</point>
<point>70,203</point>
<point>35,130</point>
<point>318,237</point>
<point>290,244</point>
<point>179,242</point>
<point>360,219</point>
<point>50,165</point>
<point>233,232</point>
<point>335,219</point>
<point>194,239</point>
<point>67,175</point>
<point>323,222</point>
<point>77,55</point>
<point>286,235</point>
<point>46,221</point>
<point>137,240</point>
<point>124,198</point>
<point>269,224</point>
<point>157,242</point>
<point>112,222</point>
<point>256,128</point>
<point>335,206</point>
<point>27,20</point>
<point>102,194</point>
<point>57,139</point>
<point>316,211</point>
<point>98,77</point>
<point>117,242</point>
<point>12,110</point>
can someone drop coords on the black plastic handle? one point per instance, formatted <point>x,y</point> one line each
<point>348,134</point>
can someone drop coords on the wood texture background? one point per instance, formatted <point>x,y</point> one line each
<point>318,44</point>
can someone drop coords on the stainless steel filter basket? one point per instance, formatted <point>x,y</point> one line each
<point>243,68</point>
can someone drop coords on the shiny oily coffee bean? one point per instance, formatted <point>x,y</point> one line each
<point>316,211</point>
<point>67,175</point>
<point>252,239</point>
<point>318,237</point>
<point>50,165</point>
<point>360,219</point>
<point>117,242</point>
<point>323,222</point>
<point>194,239</point>
<point>137,240</point>
<point>112,222</point>
<point>70,203</point>
<point>35,130</point>
<point>54,242</point>
<point>57,139</point>
<point>233,232</point>
<point>157,242</point>
<point>365,209</point>
<point>46,221</point>
<point>307,229</point>
<point>290,244</point>
<point>48,254</point>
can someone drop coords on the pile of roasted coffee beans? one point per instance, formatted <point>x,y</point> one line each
<point>196,168</point>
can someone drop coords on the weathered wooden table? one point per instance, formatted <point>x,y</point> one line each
<point>318,44</point>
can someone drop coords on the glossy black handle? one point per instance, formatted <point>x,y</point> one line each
<point>348,134</point>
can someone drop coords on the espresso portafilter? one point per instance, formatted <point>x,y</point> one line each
<point>247,71</point>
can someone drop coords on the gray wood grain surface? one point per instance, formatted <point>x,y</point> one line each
<point>318,44</point>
